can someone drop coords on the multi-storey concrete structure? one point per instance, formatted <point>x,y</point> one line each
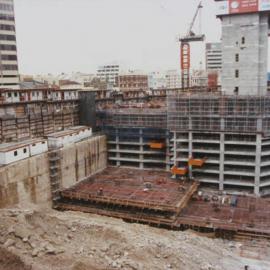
<point>157,80</point>
<point>213,54</point>
<point>173,79</point>
<point>245,29</point>
<point>9,77</point>
<point>221,140</point>
<point>198,78</point>
<point>132,81</point>
<point>108,73</point>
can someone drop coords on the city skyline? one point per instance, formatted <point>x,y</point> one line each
<point>93,33</point>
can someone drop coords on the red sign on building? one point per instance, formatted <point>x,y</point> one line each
<point>243,6</point>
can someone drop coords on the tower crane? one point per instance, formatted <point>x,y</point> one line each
<point>185,49</point>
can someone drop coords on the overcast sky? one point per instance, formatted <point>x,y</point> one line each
<point>56,36</point>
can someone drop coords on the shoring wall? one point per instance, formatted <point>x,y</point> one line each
<point>28,181</point>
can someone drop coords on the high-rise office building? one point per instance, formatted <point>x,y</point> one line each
<point>213,54</point>
<point>9,76</point>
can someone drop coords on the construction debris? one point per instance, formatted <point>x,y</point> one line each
<point>77,241</point>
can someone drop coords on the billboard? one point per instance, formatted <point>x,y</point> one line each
<point>242,6</point>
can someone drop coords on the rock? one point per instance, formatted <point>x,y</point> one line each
<point>69,236</point>
<point>73,229</point>
<point>35,252</point>
<point>206,267</point>
<point>11,230</point>
<point>9,243</point>
<point>21,232</point>
<point>25,239</point>
<point>50,249</point>
<point>13,213</point>
<point>33,244</point>
<point>105,249</point>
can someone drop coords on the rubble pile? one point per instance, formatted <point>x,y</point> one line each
<point>46,239</point>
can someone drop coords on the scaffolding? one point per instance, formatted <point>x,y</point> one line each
<point>216,112</point>
<point>133,117</point>
<point>55,173</point>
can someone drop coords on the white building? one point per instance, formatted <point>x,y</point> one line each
<point>71,135</point>
<point>213,54</point>
<point>9,76</point>
<point>12,152</point>
<point>108,73</point>
<point>199,78</point>
<point>173,79</point>
<point>157,80</point>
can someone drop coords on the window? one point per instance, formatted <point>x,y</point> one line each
<point>7,37</point>
<point>6,7</point>
<point>9,67</point>
<point>24,150</point>
<point>33,144</point>
<point>15,94</point>
<point>8,47</point>
<point>236,73</point>
<point>5,17</point>
<point>15,153</point>
<point>236,90</point>
<point>243,40</point>
<point>7,27</point>
<point>9,94</point>
<point>237,57</point>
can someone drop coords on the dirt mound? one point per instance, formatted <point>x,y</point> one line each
<point>47,240</point>
<point>9,261</point>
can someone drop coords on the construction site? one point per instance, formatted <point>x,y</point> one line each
<point>171,179</point>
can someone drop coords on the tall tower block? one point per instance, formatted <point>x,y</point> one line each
<point>245,30</point>
<point>9,75</point>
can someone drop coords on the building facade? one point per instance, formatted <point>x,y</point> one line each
<point>108,73</point>
<point>9,76</point>
<point>132,81</point>
<point>157,80</point>
<point>244,47</point>
<point>173,79</point>
<point>213,54</point>
<point>198,78</point>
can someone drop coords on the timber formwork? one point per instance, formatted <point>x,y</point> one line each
<point>154,198</point>
<point>135,195</point>
<point>34,125</point>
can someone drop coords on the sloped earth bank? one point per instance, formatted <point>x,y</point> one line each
<point>44,239</point>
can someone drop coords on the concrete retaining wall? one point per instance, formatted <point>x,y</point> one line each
<point>28,181</point>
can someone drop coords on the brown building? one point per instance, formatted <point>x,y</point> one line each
<point>132,82</point>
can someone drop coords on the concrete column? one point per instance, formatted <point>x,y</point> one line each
<point>174,152</point>
<point>168,166</point>
<point>221,161</point>
<point>190,154</point>
<point>117,147</point>
<point>258,164</point>
<point>141,149</point>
